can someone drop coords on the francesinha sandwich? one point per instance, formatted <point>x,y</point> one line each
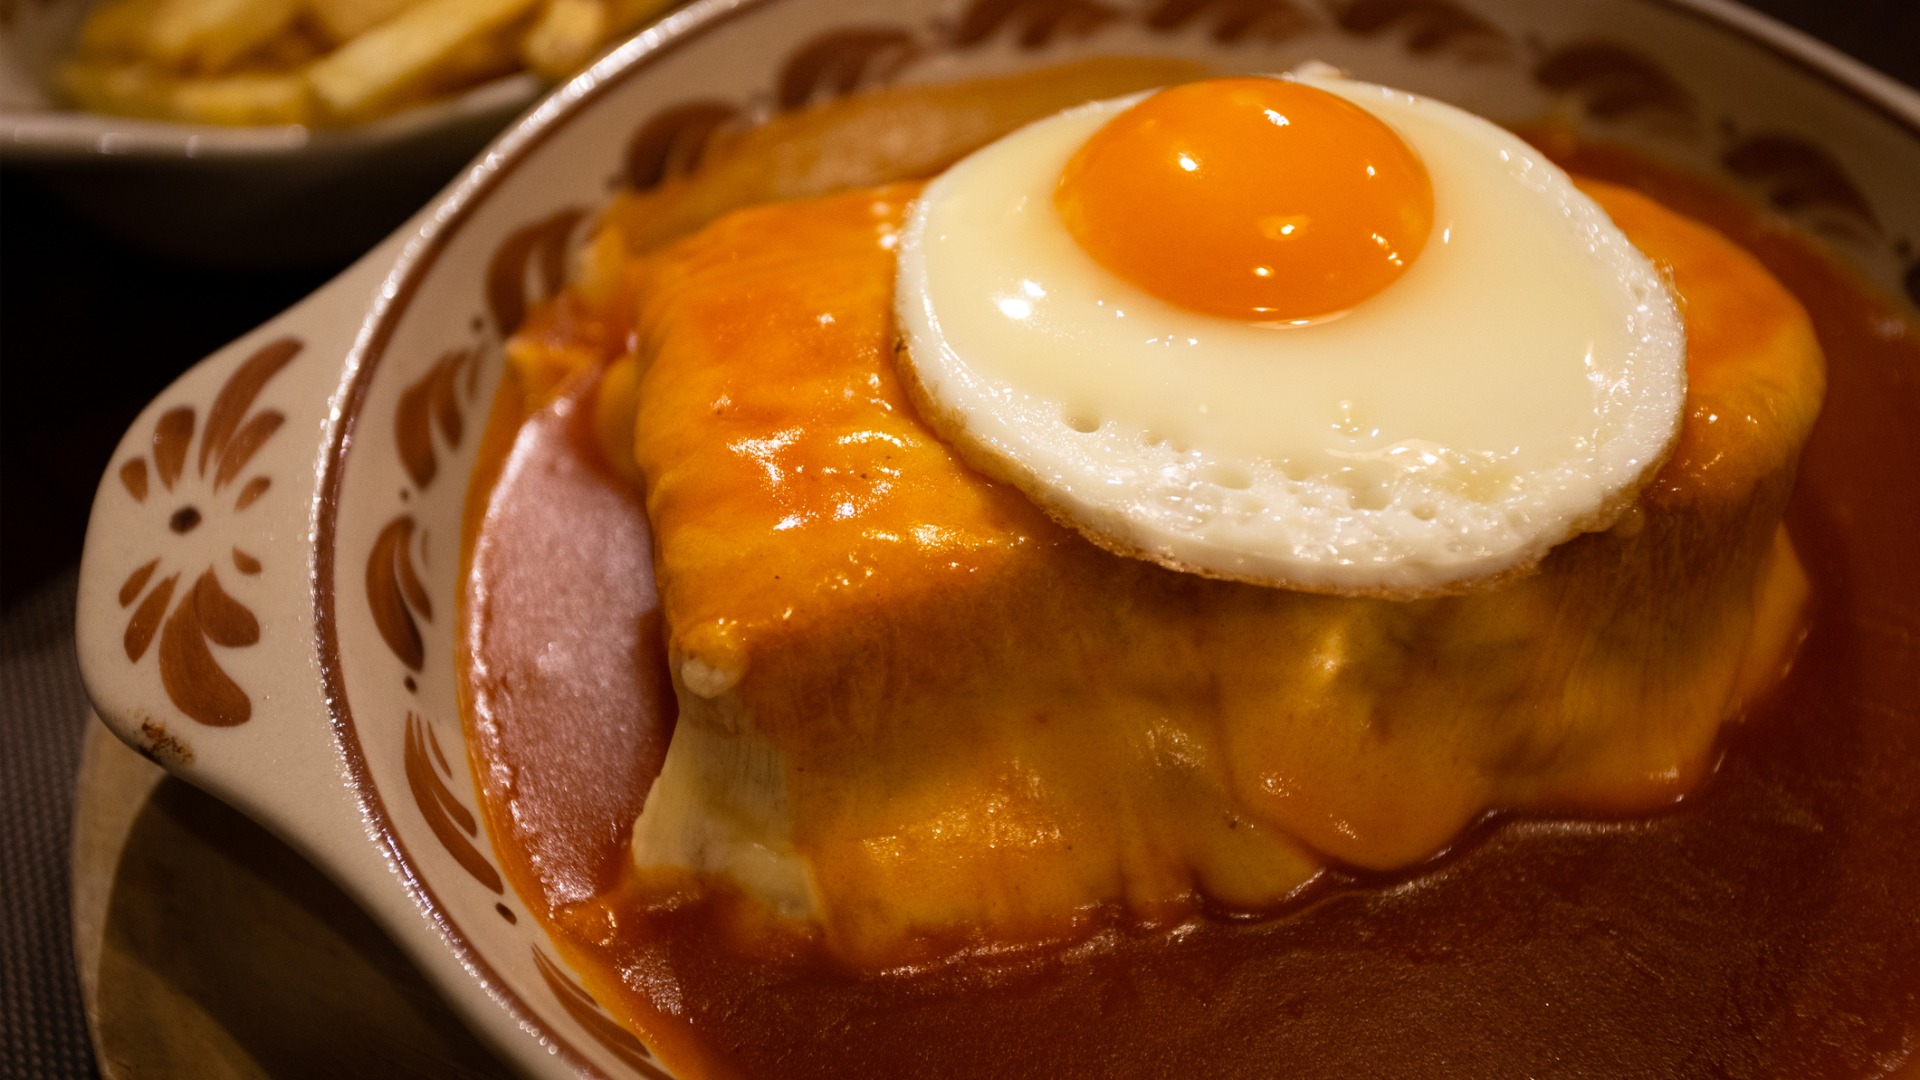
<point>1178,496</point>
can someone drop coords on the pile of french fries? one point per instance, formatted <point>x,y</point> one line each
<point>324,62</point>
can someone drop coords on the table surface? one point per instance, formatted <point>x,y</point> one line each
<point>90,331</point>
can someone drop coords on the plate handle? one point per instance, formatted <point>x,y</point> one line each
<point>195,614</point>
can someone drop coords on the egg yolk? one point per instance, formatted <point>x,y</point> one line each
<point>1251,198</point>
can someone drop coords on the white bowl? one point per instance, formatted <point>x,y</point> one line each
<point>285,493</point>
<point>236,196</point>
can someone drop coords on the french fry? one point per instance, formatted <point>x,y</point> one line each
<point>566,36</point>
<point>382,64</point>
<point>570,33</point>
<point>239,100</point>
<point>209,35</point>
<point>289,52</point>
<point>486,57</point>
<point>121,89</point>
<point>624,15</point>
<point>324,61</point>
<point>118,29</point>
<point>136,90</point>
<point>343,20</point>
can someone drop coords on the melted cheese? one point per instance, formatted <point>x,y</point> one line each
<point>917,712</point>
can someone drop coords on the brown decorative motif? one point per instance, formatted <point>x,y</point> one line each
<point>1615,82</point>
<point>194,680</point>
<point>134,475</point>
<point>1431,26</point>
<point>395,595</point>
<point>136,581</point>
<point>246,442</point>
<point>1231,21</point>
<point>539,248</point>
<point>841,62</point>
<point>1801,178</point>
<point>205,615</point>
<point>433,399</point>
<point>1036,22</point>
<point>255,488</point>
<point>451,822</point>
<point>674,141</point>
<point>227,422</point>
<point>394,591</point>
<point>586,1011</point>
<point>146,618</point>
<point>171,435</point>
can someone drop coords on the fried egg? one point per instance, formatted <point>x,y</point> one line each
<point>1301,331</point>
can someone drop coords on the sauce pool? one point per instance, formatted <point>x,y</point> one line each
<point>1768,927</point>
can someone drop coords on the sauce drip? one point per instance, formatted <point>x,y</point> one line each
<point>1765,928</point>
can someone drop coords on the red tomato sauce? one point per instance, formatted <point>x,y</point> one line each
<point>1769,926</point>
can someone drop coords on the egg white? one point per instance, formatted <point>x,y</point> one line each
<point>1515,387</point>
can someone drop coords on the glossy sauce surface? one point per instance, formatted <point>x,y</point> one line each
<point>923,717</point>
<point>1766,928</point>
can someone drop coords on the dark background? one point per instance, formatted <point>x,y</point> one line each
<point>90,331</point>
